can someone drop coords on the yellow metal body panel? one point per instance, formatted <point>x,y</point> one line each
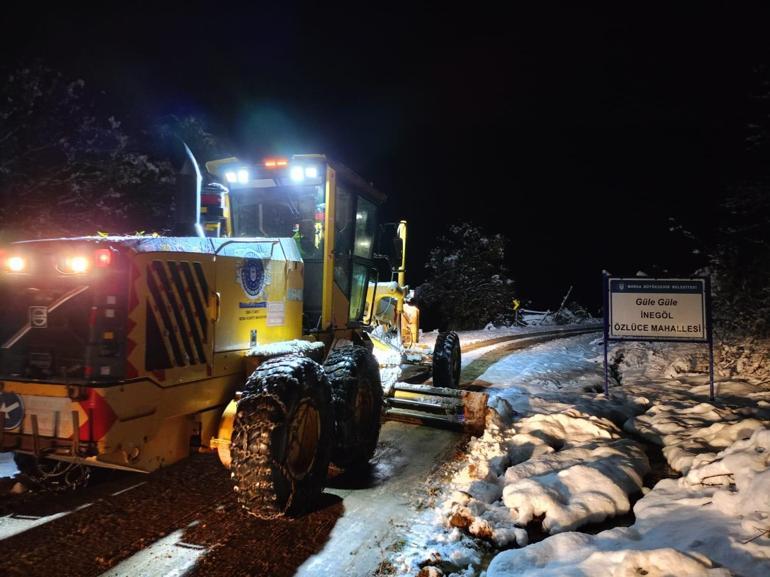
<point>275,313</point>
<point>328,266</point>
<point>225,433</point>
<point>410,325</point>
<point>152,427</point>
<point>162,306</point>
<point>401,232</point>
<point>150,418</point>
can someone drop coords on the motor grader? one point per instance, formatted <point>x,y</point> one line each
<point>251,332</point>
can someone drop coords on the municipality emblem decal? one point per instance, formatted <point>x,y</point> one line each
<point>252,277</point>
<point>621,285</point>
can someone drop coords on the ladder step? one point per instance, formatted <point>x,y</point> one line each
<point>455,422</point>
<point>428,390</point>
<point>433,405</point>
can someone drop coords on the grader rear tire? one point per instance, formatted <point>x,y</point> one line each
<point>447,361</point>
<point>354,375</point>
<point>281,439</point>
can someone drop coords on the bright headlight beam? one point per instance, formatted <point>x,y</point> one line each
<point>16,264</point>
<point>311,171</point>
<point>243,176</point>
<point>78,264</point>
<point>230,176</point>
<point>297,173</point>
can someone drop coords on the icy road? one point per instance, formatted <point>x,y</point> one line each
<point>184,520</point>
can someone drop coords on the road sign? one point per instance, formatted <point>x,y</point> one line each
<point>657,309</point>
<point>12,407</point>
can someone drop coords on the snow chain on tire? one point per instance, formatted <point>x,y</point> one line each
<point>354,375</point>
<point>281,439</point>
<point>447,361</point>
<point>52,475</point>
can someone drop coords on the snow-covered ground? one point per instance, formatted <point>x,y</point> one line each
<point>491,332</point>
<point>558,457</point>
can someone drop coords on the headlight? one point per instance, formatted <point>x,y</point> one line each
<point>76,264</point>
<point>311,171</point>
<point>243,176</point>
<point>297,173</point>
<point>16,264</point>
<point>230,176</point>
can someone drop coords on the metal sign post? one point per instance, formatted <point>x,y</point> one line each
<point>654,309</point>
<point>605,310</point>
<point>710,329</point>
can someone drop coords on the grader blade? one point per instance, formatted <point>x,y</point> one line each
<point>436,406</point>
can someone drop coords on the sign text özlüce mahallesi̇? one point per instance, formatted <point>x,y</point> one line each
<point>657,309</point>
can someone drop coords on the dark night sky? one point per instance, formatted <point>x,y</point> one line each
<point>574,133</point>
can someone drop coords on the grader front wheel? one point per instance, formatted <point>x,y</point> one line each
<point>281,439</point>
<point>447,361</point>
<point>354,376</point>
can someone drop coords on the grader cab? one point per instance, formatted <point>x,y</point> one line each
<point>131,352</point>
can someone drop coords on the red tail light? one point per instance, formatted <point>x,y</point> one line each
<point>102,257</point>
<point>211,199</point>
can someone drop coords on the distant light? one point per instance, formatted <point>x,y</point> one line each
<point>297,173</point>
<point>16,264</point>
<point>230,176</point>
<point>243,176</point>
<point>311,171</point>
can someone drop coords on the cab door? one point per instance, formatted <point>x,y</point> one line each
<point>355,228</point>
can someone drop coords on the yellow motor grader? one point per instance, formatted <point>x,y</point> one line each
<point>250,332</point>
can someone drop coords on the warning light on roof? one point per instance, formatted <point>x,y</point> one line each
<point>276,162</point>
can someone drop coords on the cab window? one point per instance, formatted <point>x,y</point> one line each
<point>366,228</point>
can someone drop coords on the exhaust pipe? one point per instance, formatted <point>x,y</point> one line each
<point>188,206</point>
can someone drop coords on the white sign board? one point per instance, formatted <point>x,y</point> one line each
<point>276,314</point>
<point>657,309</point>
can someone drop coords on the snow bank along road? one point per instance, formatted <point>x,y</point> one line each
<point>184,519</point>
<point>559,463</point>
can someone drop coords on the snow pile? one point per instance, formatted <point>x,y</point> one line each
<point>485,519</point>
<point>314,350</point>
<point>577,486</point>
<point>574,555</point>
<point>686,429</point>
<point>718,517</point>
<point>568,469</point>
<point>744,470</point>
